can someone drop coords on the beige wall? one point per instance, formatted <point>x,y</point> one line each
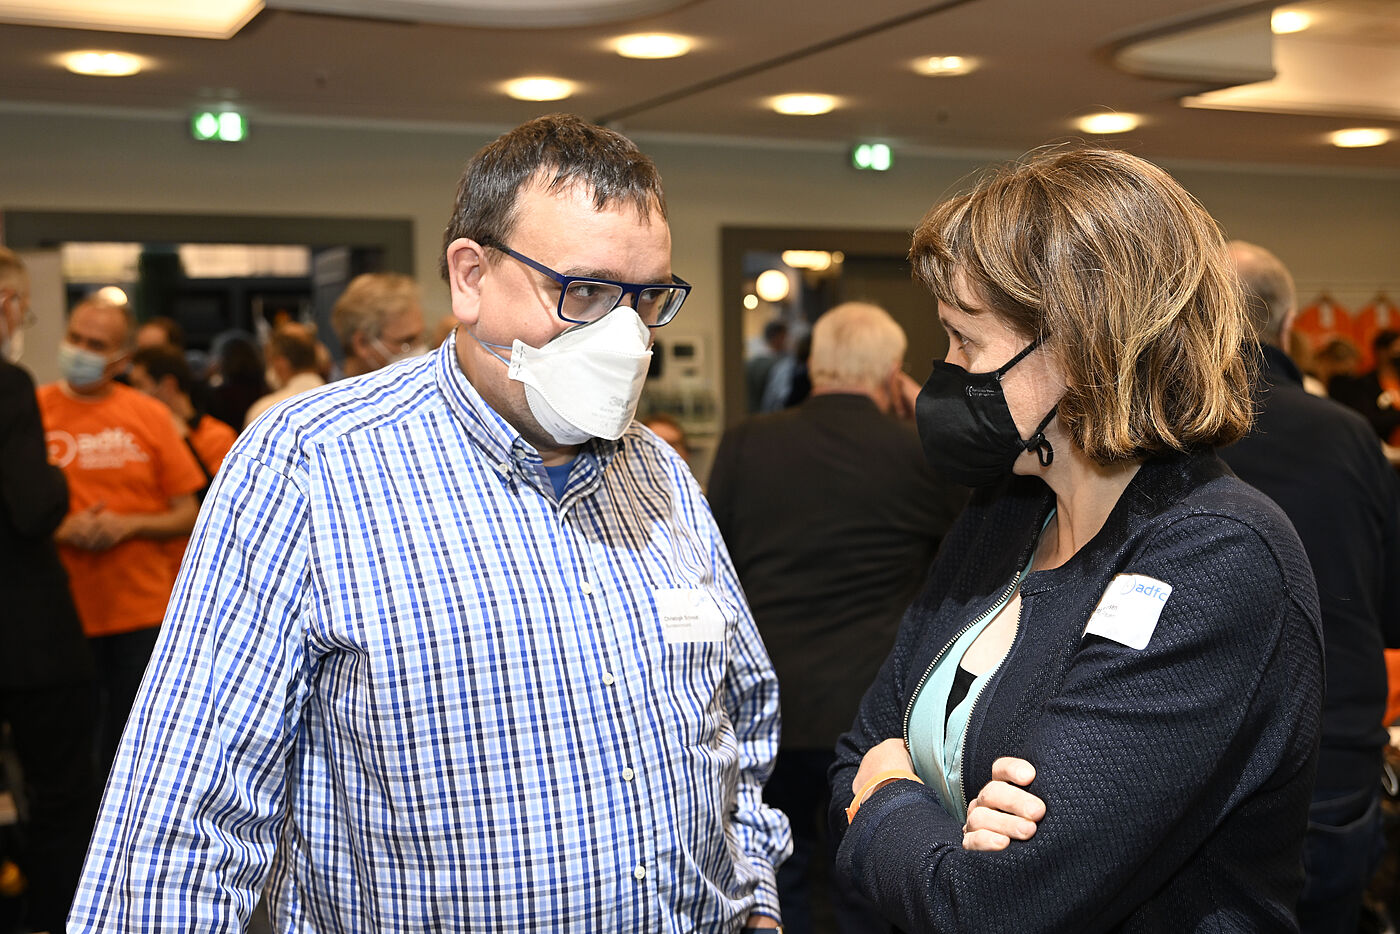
<point>1335,230</point>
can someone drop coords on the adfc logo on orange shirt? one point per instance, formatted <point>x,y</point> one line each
<point>109,449</point>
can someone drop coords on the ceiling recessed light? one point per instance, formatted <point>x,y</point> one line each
<point>803,105</point>
<point>815,260</point>
<point>102,64</point>
<point>1100,124</point>
<point>539,89</point>
<point>651,45</point>
<point>1360,137</point>
<point>772,285</point>
<point>1286,21</point>
<point>942,66</point>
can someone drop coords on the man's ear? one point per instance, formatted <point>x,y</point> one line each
<point>466,265</point>
<point>360,346</point>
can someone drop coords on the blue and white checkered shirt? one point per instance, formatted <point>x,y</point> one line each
<point>400,677</point>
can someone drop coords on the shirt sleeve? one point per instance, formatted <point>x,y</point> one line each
<point>751,699</point>
<point>1137,754</point>
<point>195,802</point>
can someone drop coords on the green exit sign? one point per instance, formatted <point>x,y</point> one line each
<point>223,126</point>
<point>874,157</point>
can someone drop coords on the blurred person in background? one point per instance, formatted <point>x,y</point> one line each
<point>832,516</point>
<point>379,320</point>
<point>292,365</point>
<point>237,377</point>
<point>154,332</point>
<point>669,430</point>
<point>163,373</point>
<point>759,367</point>
<point>1376,394</point>
<point>1323,465</point>
<point>131,483</point>
<point>45,663</point>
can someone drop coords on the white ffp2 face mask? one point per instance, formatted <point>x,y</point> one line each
<point>586,382</point>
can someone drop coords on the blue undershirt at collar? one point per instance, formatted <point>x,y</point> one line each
<point>559,477</point>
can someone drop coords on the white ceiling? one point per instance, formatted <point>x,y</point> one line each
<point>1044,62</point>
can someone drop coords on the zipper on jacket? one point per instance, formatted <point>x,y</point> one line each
<point>962,744</point>
<point>996,605</point>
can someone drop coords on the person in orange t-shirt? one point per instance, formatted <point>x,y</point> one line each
<point>162,373</point>
<point>131,483</point>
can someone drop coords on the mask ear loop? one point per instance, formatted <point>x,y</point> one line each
<point>1005,367</point>
<point>1044,451</point>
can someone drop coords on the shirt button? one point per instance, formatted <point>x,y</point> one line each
<point>503,470</point>
<point>587,587</point>
<point>639,873</point>
<point>628,774</point>
<point>608,677</point>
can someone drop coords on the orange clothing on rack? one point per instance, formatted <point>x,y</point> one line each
<point>122,450</point>
<point>1381,315</point>
<point>1322,320</point>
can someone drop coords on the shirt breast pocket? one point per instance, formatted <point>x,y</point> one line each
<point>696,625</point>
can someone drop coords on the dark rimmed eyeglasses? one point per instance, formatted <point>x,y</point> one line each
<point>583,298</point>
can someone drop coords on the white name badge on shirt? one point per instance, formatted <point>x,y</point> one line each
<point>1129,609</point>
<point>688,616</point>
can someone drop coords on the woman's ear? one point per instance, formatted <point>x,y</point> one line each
<point>466,264</point>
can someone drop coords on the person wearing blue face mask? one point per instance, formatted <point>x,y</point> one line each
<point>131,481</point>
<point>1102,711</point>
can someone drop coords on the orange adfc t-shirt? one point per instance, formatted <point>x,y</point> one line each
<point>125,451</point>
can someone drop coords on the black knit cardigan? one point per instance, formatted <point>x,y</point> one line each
<point>1176,778</point>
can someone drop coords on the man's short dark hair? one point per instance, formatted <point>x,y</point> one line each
<point>174,333</point>
<point>563,150</point>
<point>294,346</point>
<point>165,360</point>
<point>774,330</point>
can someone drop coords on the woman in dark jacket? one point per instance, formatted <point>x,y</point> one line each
<point>1102,712</point>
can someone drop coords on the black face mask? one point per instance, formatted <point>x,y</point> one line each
<point>966,428</point>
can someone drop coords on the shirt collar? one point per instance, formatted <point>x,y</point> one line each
<point>1278,366</point>
<point>495,437</point>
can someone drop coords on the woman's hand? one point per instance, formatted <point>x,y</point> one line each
<point>885,757</point>
<point>1002,811</point>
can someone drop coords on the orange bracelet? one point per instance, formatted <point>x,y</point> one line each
<point>875,784</point>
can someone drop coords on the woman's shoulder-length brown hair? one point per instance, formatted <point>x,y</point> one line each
<point>1127,280</point>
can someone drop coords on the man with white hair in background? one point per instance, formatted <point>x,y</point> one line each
<point>832,517</point>
<point>1323,465</point>
<point>379,320</point>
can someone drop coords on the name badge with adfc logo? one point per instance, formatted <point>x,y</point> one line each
<point>1129,609</point>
